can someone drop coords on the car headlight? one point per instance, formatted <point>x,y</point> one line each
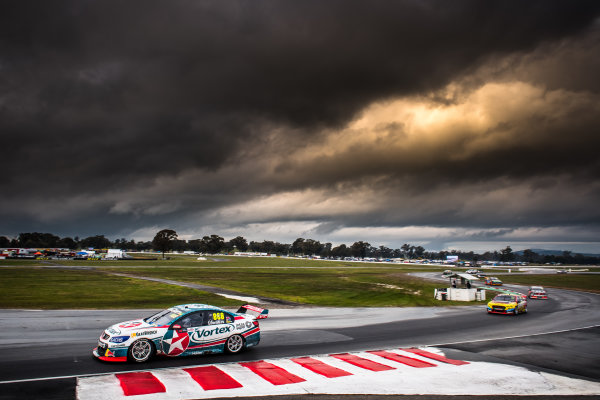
<point>118,339</point>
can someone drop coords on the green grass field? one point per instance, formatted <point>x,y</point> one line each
<point>310,282</point>
<point>45,288</point>
<point>336,286</point>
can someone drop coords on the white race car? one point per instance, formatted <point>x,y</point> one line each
<point>537,292</point>
<point>187,329</point>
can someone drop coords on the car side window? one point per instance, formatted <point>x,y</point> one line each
<point>192,319</point>
<point>219,317</point>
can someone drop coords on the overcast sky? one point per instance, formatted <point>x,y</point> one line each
<point>453,125</point>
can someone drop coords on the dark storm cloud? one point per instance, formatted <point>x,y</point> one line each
<point>101,98</point>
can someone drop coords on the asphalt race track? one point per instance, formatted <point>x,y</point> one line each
<point>41,352</point>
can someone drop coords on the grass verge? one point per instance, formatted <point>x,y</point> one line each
<point>45,288</point>
<point>335,286</point>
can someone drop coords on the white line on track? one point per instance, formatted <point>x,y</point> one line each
<point>514,337</point>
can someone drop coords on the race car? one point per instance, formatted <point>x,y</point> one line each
<point>182,330</point>
<point>493,281</point>
<point>507,304</point>
<point>537,292</point>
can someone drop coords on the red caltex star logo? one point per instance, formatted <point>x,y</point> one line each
<point>176,342</point>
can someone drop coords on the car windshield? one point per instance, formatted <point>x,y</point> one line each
<point>163,317</point>
<point>504,298</point>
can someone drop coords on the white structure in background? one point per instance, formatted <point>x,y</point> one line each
<point>115,254</point>
<point>456,294</point>
<point>460,288</point>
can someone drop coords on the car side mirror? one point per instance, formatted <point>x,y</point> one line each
<point>177,327</point>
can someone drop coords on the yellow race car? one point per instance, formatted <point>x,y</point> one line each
<point>493,281</point>
<point>507,304</point>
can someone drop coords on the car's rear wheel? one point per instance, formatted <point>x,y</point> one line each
<point>140,351</point>
<point>234,344</point>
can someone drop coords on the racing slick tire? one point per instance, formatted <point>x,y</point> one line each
<point>140,351</point>
<point>516,312</point>
<point>234,344</point>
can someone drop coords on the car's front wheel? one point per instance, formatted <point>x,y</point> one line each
<point>234,344</point>
<point>140,351</point>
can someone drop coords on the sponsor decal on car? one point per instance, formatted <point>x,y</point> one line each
<point>175,342</point>
<point>144,333</point>
<point>203,332</point>
<point>130,325</point>
<point>120,339</point>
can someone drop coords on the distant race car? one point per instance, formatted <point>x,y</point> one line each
<point>507,304</point>
<point>537,292</point>
<point>183,330</point>
<point>493,281</point>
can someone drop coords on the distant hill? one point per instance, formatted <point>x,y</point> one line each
<point>544,252</point>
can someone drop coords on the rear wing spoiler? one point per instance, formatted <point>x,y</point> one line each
<point>256,312</point>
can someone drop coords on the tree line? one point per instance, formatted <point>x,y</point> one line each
<point>167,240</point>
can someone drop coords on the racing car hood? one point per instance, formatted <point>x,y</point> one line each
<point>501,302</point>
<point>128,327</point>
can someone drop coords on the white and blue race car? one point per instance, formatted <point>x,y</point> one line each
<point>183,330</point>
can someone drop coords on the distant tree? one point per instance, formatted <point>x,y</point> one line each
<point>507,254</point>
<point>96,242</point>
<point>267,246</point>
<point>196,245</point>
<point>298,246</point>
<point>406,250</point>
<point>529,256</point>
<point>325,250</point>
<point>143,246</point>
<point>270,247</point>
<point>4,241</point>
<point>581,259</point>
<point>360,249</point>
<point>68,243</point>
<point>282,248</point>
<point>163,240</point>
<point>311,247</point>
<point>254,246</point>
<point>567,257</point>
<point>239,243</point>
<point>213,244</point>
<point>179,245</point>
<point>340,251</point>
<point>383,252</point>
<point>419,251</point>
<point>36,239</point>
